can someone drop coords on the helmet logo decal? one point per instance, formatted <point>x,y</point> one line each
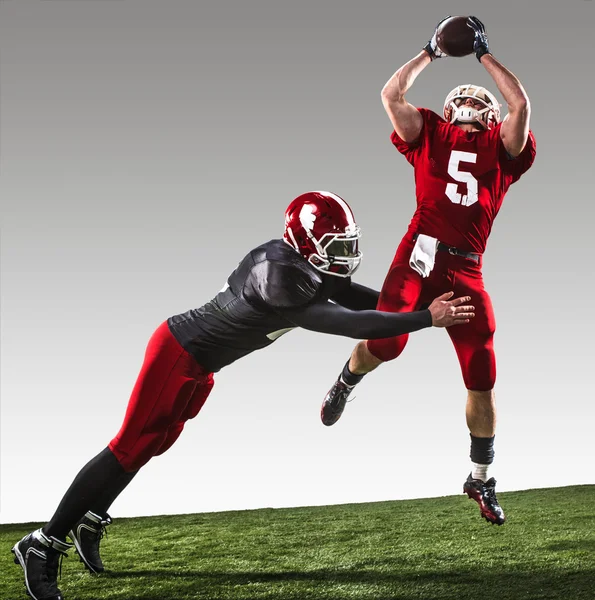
<point>307,217</point>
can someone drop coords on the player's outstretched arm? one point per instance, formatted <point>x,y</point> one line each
<point>326,317</point>
<point>515,128</point>
<point>405,118</point>
<point>357,297</point>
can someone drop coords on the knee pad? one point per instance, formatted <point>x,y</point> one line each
<point>479,369</point>
<point>387,348</point>
<point>171,435</point>
<point>142,451</point>
<point>198,398</point>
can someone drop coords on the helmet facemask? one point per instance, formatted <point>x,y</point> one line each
<point>455,109</point>
<point>337,253</point>
<point>334,253</point>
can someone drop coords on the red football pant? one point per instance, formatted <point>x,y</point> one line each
<point>171,388</point>
<point>405,290</point>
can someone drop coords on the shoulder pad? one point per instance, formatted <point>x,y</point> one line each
<point>279,284</point>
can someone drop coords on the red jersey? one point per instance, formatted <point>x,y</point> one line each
<point>460,179</point>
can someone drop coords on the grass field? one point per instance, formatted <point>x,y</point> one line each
<point>437,549</point>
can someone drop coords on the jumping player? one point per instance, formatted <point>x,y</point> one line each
<point>463,163</point>
<point>280,285</point>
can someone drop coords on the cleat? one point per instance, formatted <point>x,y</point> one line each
<point>86,535</point>
<point>334,402</point>
<point>484,493</point>
<point>41,557</point>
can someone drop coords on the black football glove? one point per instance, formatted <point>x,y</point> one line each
<point>480,45</point>
<point>432,47</point>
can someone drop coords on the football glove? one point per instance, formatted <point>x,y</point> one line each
<point>480,45</point>
<point>432,46</point>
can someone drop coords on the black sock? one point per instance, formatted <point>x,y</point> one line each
<point>102,504</point>
<point>97,476</point>
<point>350,378</point>
<point>482,450</point>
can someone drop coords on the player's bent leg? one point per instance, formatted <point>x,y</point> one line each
<point>172,388</point>
<point>361,362</point>
<point>181,398</point>
<point>400,293</point>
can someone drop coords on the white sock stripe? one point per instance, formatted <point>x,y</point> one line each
<point>479,471</point>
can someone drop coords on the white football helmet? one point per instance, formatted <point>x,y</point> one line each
<point>455,110</point>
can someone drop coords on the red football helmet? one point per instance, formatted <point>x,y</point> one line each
<point>321,227</point>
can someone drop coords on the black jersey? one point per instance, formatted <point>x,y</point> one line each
<point>247,313</point>
<point>275,289</point>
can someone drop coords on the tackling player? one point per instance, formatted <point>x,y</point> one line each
<point>463,164</point>
<point>278,286</point>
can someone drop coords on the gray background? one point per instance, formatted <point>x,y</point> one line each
<point>146,146</point>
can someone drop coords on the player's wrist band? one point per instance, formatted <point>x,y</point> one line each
<point>481,53</point>
<point>428,49</point>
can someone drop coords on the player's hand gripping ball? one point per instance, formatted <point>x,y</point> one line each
<point>480,43</point>
<point>432,47</point>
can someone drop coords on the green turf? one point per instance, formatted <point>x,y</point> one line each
<point>437,549</point>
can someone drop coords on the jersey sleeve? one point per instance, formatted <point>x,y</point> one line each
<point>326,317</point>
<point>411,150</point>
<point>275,285</point>
<point>515,167</point>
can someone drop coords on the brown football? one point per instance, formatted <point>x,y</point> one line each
<point>455,37</point>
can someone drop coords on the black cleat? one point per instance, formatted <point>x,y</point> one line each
<point>484,493</point>
<point>334,402</point>
<point>41,557</point>
<point>86,535</point>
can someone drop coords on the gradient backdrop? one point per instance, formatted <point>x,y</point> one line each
<point>147,145</point>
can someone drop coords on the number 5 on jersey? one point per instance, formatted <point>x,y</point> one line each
<point>452,189</point>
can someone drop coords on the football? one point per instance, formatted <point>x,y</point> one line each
<point>455,37</point>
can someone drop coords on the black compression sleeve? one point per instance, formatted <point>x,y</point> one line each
<point>326,317</point>
<point>99,473</point>
<point>357,297</point>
